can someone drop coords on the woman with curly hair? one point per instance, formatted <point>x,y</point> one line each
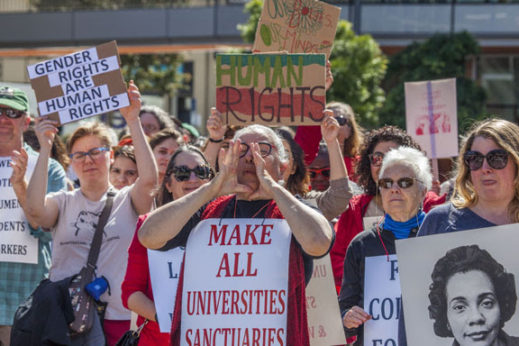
<point>376,144</point>
<point>471,298</point>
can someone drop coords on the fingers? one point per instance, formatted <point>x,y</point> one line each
<point>258,160</point>
<point>134,94</point>
<point>355,317</point>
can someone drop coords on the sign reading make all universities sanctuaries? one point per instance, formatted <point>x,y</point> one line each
<point>235,289</point>
<point>271,89</point>
<point>296,26</point>
<point>79,85</point>
<point>431,116</point>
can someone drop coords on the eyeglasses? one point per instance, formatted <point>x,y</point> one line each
<point>496,159</point>
<point>325,172</point>
<point>342,120</point>
<point>183,173</point>
<point>11,113</point>
<point>376,158</point>
<point>264,148</point>
<point>92,153</point>
<point>404,183</point>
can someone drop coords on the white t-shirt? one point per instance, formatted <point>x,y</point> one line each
<point>72,236</point>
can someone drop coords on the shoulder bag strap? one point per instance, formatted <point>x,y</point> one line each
<point>93,254</point>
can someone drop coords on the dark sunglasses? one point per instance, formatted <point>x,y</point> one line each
<point>11,113</point>
<point>183,173</point>
<point>497,159</point>
<point>264,148</point>
<point>325,172</point>
<point>342,120</point>
<point>376,158</point>
<point>404,183</point>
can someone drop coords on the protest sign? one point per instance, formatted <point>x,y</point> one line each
<point>417,259</point>
<point>382,297</point>
<point>79,85</point>
<point>322,306</point>
<point>296,26</point>
<point>431,116</point>
<point>164,269</point>
<point>16,243</point>
<point>235,283</point>
<point>271,89</point>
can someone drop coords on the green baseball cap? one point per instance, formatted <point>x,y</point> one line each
<point>14,98</point>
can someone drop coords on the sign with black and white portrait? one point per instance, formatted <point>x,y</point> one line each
<point>461,288</point>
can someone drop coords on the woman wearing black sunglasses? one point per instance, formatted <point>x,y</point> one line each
<point>405,178</point>
<point>486,192</point>
<point>187,170</point>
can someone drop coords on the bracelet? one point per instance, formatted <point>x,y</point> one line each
<point>216,140</point>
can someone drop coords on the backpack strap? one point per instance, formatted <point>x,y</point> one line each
<point>93,254</point>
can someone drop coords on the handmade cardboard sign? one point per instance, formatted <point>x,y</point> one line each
<point>431,116</point>
<point>296,26</point>
<point>79,85</point>
<point>236,283</point>
<point>322,307</point>
<point>461,287</point>
<point>271,89</point>
<point>16,243</point>
<point>382,299</point>
<point>164,269</point>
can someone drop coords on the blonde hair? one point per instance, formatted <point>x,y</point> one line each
<point>506,135</point>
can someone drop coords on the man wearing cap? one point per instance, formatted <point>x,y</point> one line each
<point>24,251</point>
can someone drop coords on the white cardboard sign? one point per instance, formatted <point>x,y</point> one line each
<point>382,297</point>
<point>164,273</point>
<point>431,116</point>
<point>16,243</point>
<point>236,282</point>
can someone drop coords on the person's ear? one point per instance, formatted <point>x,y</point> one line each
<point>282,167</point>
<point>27,122</point>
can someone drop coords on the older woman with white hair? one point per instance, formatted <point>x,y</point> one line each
<point>405,177</point>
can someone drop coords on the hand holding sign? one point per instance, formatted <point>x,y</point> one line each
<point>329,127</point>
<point>355,317</point>
<point>329,76</point>
<point>45,131</point>
<point>215,126</point>
<point>131,113</point>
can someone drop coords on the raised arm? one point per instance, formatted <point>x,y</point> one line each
<point>216,129</point>
<point>39,209</point>
<point>142,191</point>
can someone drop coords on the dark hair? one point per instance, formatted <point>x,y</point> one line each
<point>164,134</point>
<point>161,115</point>
<point>298,181</point>
<point>384,134</point>
<point>164,195</point>
<point>125,151</point>
<point>461,260</point>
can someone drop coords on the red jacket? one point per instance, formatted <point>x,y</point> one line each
<point>297,324</point>
<point>137,279</point>
<point>350,224</point>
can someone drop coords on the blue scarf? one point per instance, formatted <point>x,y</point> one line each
<point>401,230</point>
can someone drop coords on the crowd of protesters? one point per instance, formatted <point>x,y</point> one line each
<point>166,179</point>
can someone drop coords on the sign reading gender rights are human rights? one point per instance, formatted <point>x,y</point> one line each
<point>79,85</point>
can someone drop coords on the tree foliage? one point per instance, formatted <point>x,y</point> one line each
<point>441,56</point>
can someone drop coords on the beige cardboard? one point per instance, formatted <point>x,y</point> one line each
<point>296,26</point>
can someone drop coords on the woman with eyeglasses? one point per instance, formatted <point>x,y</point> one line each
<point>486,192</point>
<point>376,144</point>
<point>187,170</point>
<point>72,216</point>
<point>405,177</point>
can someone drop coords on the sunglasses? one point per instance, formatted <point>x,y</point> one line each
<point>11,113</point>
<point>376,158</point>
<point>325,172</point>
<point>264,148</point>
<point>183,173</point>
<point>92,153</point>
<point>404,183</point>
<point>496,159</point>
<point>342,120</point>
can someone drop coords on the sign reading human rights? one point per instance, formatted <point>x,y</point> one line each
<point>431,116</point>
<point>79,85</point>
<point>164,269</point>
<point>296,26</point>
<point>382,298</point>
<point>271,89</point>
<point>16,243</point>
<point>236,283</point>
<point>461,288</point>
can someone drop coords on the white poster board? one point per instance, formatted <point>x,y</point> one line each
<point>236,282</point>
<point>322,307</point>
<point>418,256</point>
<point>382,298</point>
<point>431,116</point>
<point>164,269</point>
<point>16,243</point>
